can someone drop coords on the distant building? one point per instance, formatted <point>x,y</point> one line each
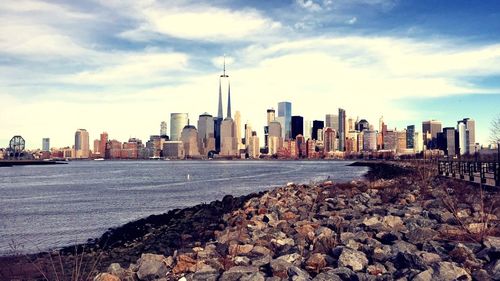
<point>451,137</point>
<point>391,140</point>
<point>206,134</point>
<point>229,144</point>
<point>173,150</point>
<point>297,126</point>
<point>275,139</point>
<point>285,111</point>
<point>332,121</point>
<point>342,129</point>
<point>410,132</point>
<point>317,125</point>
<point>177,122</point>
<point>430,129</point>
<point>46,144</point>
<point>163,128</point>
<point>329,140</point>
<point>189,138</point>
<point>81,144</point>
<point>370,140</point>
<point>97,147</point>
<point>254,146</point>
<point>362,125</point>
<point>401,141</point>
<point>103,144</point>
<point>237,124</point>
<point>467,136</point>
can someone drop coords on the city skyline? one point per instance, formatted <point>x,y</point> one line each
<point>399,60</point>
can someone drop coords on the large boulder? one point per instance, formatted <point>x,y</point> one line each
<point>353,259</point>
<point>447,271</point>
<point>238,272</point>
<point>151,267</point>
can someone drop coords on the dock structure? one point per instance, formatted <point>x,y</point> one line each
<point>487,173</point>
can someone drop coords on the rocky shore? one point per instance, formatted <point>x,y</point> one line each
<point>401,224</point>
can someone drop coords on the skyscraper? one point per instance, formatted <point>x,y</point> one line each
<point>466,135</point>
<point>237,123</point>
<point>271,115</point>
<point>317,125</point>
<point>206,135</point>
<point>189,138</point>
<point>103,142</point>
<point>223,79</point>
<point>46,144</point>
<point>451,136</point>
<point>297,126</point>
<point>229,144</point>
<point>329,140</point>
<point>307,129</point>
<point>285,111</point>
<point>81,143</point>
<point>163,128</point>
<point>332,121</point>
<point>430,129</point>
<point>275,140</point>
<point>177,122</point>
<point>341,130</point>
<point>410,132</point>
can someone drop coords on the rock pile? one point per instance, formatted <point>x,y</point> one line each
<point>379,230</point>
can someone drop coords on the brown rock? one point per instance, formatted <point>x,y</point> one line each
<point>316,262</point>
<point>240,250</point>
<point>184,264</point>
<point>106,277</point>
<point>289,216</point>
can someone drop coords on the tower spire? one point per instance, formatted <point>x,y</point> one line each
<point>224,68</point>
<point>220,114</point>
<point>229,100</point>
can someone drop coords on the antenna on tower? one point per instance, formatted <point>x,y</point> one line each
<point>224,68</point>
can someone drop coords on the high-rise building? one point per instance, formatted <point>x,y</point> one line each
<point>466,135</point>
<point>332,121</point>
<point>317,125</point>
<point>430,129</point>
<point>451,137</point>
<point>275,139</point>
<point>401,141</point>
<point>177,122</point>
<point>329,140</point>
<point>350,124</point>
<point>307,129</point>
<point>163,128</point>
<point>285,111</point>
<point>271,116</point>
<point>237,123</point>
<point>206,134</point>
<point>369,140</point>
<point>342,129</point>
<point>362,125</point>
<point>223,81</point>
<point>254,147</point>
<point>248,135</point>
<point>103,145</point>
<point>297,126</point>
<point>81,144</point>
<point>189,138</point>
<point>410,132</point>
<point>229,145</point>
<point>46,144</point>
<point>418,145</point>
<point>97,147</point>
<point>391,140</point>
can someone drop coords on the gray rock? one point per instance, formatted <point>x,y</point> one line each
<point>421,235</point>
<point>261,261</point>
<point>257,276</point>
<point>345,273</point>
<point>481,275</point>
<point>424,275</point>
<point>151,267</point>
<point>327,276</point>
<point>298,274</point>
<point>495,270</point>
<point>402,246</point>
<point>206,273</point>
<point>447,271</point>
<point>280,268</point>
<point>409,260</point>
<point>237,272</point>
<point>353,259</point>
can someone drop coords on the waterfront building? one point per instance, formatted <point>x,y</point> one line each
<point>81,144</point>
<point>177,122</point>
<point>206,134</point>
<point>103,144</point>
<point>163,129</point>
<point>229,145</point>
<point>390,140</point>
<point>452,142</point>
<point>329,140</point>
<point>317,124</point>
<point>254,146</point>
<point>275,139</point>
<point>237,123</point>
<point>410,132</point>
<point>173,150</point>
<point>301,145</point>
<point>430,129</point>
<point>332,121</point>
<point>320,136</point>
<point>285,111</point>
<point>248,136</point>
<point>311,148</point>
<point>115,149</point>
<point>401,141</point>
<point>351,144</point>
<point>341,130</point>
<point>297,126</point>
<point>418,144</point>
<point>97,147</point>
<point>362,125</point>
<point>466,135</point>
<point>271,116</point>
<point>46,144</point>
<point>189,138</point>
<point>130,149</point>
<point>369,140</point>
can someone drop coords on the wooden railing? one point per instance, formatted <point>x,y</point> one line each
<point>480,172</point>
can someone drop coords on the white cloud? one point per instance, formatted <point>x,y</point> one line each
<point>200,23</point>
<point>309,5</point>
<point>352,20</point>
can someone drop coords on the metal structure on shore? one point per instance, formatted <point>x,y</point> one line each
<point>487,173</point>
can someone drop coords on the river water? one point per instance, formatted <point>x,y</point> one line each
<point>44,207</point>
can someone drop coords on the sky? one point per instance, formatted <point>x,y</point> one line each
<point>124,66</point>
